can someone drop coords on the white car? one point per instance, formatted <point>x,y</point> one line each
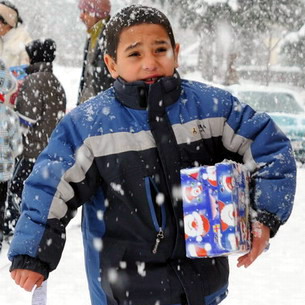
<point>283,105</point>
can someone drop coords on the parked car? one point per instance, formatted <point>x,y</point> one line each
<point>283,105</point>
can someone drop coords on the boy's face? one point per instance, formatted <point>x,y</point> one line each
<point>144,53</point>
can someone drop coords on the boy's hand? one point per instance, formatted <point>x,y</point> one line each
<point>260,241</point>
<point>27,279</point>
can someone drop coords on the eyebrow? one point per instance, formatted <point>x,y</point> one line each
<point>137,44</point>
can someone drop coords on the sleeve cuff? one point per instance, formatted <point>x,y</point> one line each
<point>30,263</point>
<point>269,220</point>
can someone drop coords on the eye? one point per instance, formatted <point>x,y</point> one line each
<point>161,50</point>
<point>134,54</point>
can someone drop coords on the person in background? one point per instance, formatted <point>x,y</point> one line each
<point>13,36</point>
<point>8,86</point>
<point>95,77</point>
<point>40,104</point>
<point>10,142</point>
<point>119,155</point>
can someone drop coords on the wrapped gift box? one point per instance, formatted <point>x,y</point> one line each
<point>216,209</point>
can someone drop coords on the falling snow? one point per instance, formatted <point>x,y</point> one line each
<point>279,274</point>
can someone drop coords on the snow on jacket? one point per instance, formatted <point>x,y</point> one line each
<point>10,141</point>
<point>40,104</point>
<point>115,154</point>
<point>12,47</point>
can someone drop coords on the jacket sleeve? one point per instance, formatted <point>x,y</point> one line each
<point>63,178</point>
<point>29,102</point>
<point>268,154</point>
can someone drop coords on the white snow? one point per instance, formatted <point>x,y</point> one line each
<point>70,79</point>
<point>277,277</point>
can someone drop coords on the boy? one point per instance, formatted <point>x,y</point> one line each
<point>121,153</point>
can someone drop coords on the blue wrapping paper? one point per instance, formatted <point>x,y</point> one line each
<point>216,209</point>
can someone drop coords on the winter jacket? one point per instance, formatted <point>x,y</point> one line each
<point>10,142</point>
<point>120,155</point>
<point>95,76</point>
<point>40,104</point>
<point>12,47</point>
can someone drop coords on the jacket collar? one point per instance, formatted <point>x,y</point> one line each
<point>137,94</point>
<point>39,67</point>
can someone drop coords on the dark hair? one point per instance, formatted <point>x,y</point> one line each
<point>130,16</point>
<point>40,50</point>
<point>13,7</point>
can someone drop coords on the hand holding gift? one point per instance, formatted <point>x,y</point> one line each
<point>260,242</point>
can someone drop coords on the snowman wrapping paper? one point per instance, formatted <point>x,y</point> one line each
<point>216,209</point>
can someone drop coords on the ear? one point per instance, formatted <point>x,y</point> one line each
<point>176,54</point>
<point>111,65</point>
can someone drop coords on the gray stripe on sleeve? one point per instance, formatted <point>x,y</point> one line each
<point>239,144</point>
<point>83,161</point>
<point>234,142</point>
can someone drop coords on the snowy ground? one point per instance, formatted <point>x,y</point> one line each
<point>277,277</point>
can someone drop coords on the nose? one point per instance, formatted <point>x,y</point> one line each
<point>149,63</point>
<point>82,16</point>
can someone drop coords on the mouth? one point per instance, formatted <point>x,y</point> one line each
<point>151,80</point>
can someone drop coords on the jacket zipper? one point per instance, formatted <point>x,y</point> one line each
<point>159,228</point>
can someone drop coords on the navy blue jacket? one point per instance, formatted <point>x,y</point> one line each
<point>116,154</point>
